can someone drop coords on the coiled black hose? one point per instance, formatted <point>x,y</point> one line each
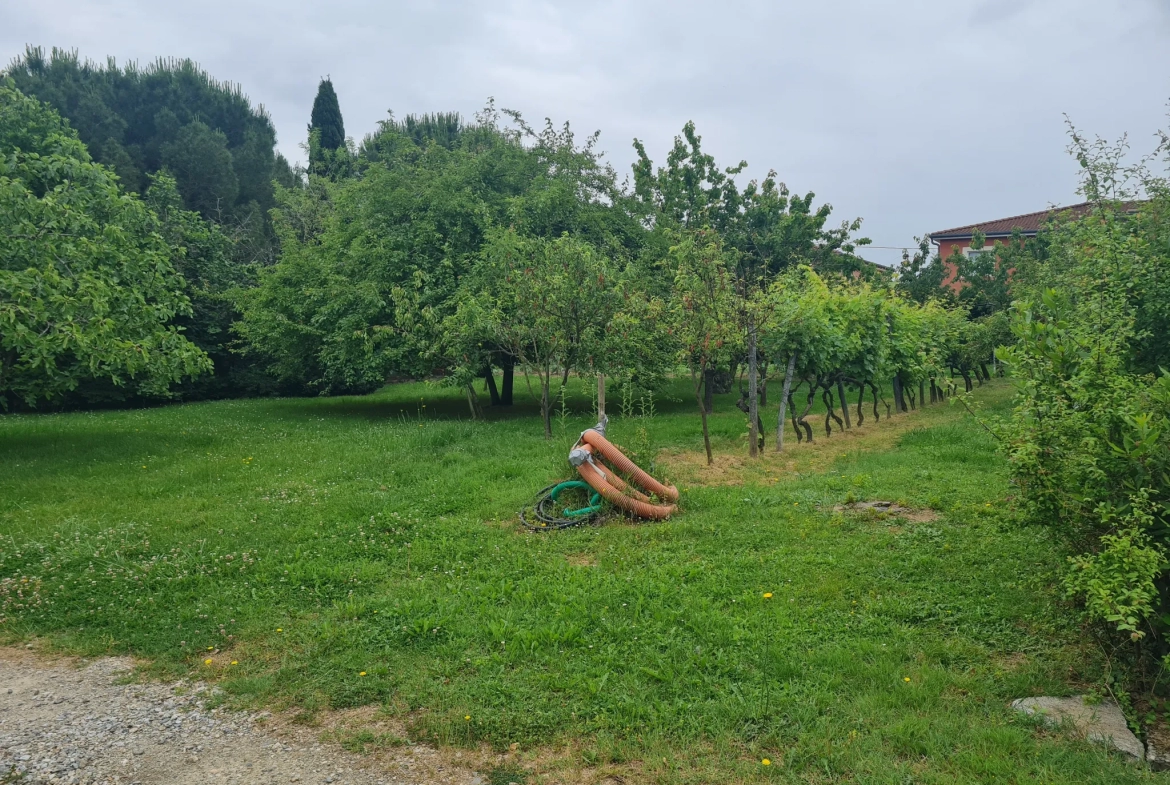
<point>541,514</point>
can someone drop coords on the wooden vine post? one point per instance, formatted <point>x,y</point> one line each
<point>601,397</point>
<point>784,402</point>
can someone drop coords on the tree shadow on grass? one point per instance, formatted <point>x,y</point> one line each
<point>377,409</point>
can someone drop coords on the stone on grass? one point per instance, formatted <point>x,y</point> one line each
<point>1157,756</point>
<point>1101,722</point>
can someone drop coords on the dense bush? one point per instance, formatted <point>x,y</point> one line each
<point>203,158</point>
<point>88,290</point>
<point>1089,441</point>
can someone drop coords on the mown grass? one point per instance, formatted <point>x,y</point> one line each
<point>313,541</point>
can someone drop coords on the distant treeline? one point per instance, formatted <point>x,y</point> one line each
<point>388,256</point>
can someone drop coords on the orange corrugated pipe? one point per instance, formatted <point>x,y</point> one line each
<point>624,464</point>
<point>614,479</point>
<point>590,474</point>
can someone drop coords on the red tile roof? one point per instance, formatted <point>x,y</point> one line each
<point>1028,223</point>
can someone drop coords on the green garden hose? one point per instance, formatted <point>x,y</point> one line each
<point>541,513</point>
<point>594,500</point>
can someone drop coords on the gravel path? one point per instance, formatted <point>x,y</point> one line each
<point>66,721</point>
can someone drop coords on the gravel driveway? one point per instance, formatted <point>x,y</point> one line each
<point>67,721</point>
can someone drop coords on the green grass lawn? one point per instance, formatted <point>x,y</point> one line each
<point>315,540</point>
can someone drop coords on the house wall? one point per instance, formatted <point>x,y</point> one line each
<point>947,247</point>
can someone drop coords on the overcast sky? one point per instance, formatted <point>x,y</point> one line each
<point>916,115</point>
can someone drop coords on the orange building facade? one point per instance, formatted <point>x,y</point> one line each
<point>958,239</point>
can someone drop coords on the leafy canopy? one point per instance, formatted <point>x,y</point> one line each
<point>87,287</point>
<point>169,114</point>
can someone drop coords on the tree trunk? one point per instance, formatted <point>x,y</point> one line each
<point>812,394</point>
<point>876,393</point>
<point>489,378</point>
<point>844,403</point>
<point>764,384</point>
<point>508,365</point>
<point>753,394</point>
<point>708,391</point>
<point>830,410</point>
<point>473,403</point>
<point>707,439</point>
<point>784,402</point>
<point>545,401</point>
<point>899,399</point>
<point>860,402</point>
<point>826,397</point>
<point>795,423</point>
<point>702,384</point>
<point>601,397</point>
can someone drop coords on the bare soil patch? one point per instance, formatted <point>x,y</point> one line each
<point>582,560</point>
<point>689,467</point>
<point>882,510</point>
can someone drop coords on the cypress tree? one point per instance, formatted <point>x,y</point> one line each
<point>326,117</point>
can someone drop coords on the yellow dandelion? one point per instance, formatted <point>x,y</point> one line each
<point>235,662</point>
<point>280,629</point>
<point>905,678</point>
<point>467,717</point>
<point>211,648</point>
<point>207,662</point>
<point>767,595</point>
<point>363,673</point>
<point>766,762</point>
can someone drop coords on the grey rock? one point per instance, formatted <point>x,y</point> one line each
<point>1102,722</point>
<point>1157,757</point>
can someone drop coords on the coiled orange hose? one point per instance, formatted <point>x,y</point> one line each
<point>657,512</point>
<point>616,491</point>
<point>614,479</point>
<point>624,464</point>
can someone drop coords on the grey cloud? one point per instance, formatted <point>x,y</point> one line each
<point>992,12</point>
